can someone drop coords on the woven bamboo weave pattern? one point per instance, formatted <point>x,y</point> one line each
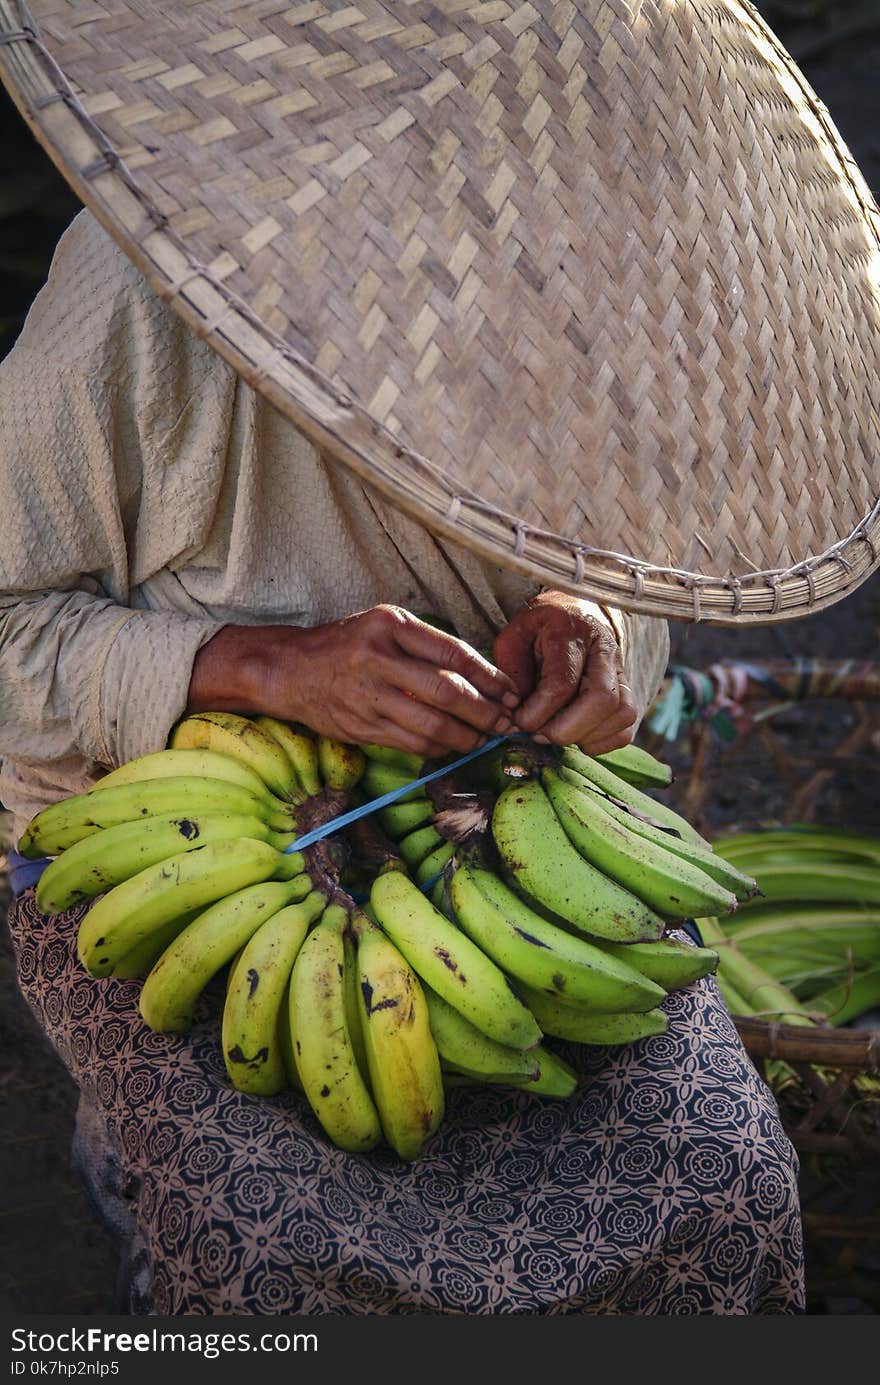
<point>591,287</point>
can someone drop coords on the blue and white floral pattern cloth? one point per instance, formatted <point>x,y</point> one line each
<point>665,1185</point>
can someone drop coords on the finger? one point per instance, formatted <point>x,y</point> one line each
<point>448,692</point>
<point>515,654</point>
<point>598,695</point>
<point>601,706</point>
<point>397,737</point>
<point>442,731</point>
<point>559,680</point>
<point>422,641</point>
<point>609,739</point>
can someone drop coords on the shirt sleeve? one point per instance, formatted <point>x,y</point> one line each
<point>82,674</point>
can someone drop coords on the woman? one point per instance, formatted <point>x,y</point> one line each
<point>175,544</point>
<point>452,310</point>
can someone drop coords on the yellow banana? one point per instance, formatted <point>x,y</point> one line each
<point>137,963</point>
<point>404,1065</point>
<point>239,737</point>
<point>257,990</point>
<point>170,992</point>
<point>301,749</point>
<point>322,1043</point>
<point>67,822</point>
<point>453,965</point>
<point>98,862</point>
<point>206,764</point>
<point>341,765</point>
<point>121,919</point>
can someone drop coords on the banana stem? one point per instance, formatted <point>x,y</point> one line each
<point>765,997</point>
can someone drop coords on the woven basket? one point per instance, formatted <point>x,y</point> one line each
<point>834,1126</point>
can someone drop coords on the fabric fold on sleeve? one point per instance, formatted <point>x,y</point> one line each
<point>143,684</point>
<point>83,677</point>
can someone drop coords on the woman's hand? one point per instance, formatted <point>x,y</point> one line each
<point>381,676</point>
<point>563,657</point>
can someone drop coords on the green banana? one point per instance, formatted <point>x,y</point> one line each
<point>434,862</point>
<point>409,764</point>
<point>666,883</point>
<point>98,862</point>
<point>239,737</point>
<point>257,990</point>
<point>450,963</point>
<point>612,784</point>
<point>64,824</point>
<point>205,764</point>
<point>341,765</point>
<point>532,950</point>
<point>556,1078</point>
<point>301,750</point>
<point>399,819</point>
<point>404,1064</point>
<point>437,897</point>
<point>381,779</point>
<point>171,990</point>
<point>669,962</point>
<point>539,856</point>
<point>415,846</point>
<point>637,766</point>
<point>582,1026</point>
<point>121,919</point>
<point>322,1042</point>
<point>459,1042</point>
<point>722,871</point>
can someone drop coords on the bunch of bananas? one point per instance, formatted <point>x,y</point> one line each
<point>436,942</point>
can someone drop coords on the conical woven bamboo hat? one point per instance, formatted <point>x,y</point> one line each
<point>593,287</point>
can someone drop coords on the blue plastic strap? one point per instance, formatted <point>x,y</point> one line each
<point>336,824</point>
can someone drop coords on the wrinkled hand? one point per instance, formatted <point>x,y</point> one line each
<point>381,676</point>
<point>564,660</point>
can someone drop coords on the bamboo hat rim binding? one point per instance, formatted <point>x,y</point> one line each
<point>387,218</point>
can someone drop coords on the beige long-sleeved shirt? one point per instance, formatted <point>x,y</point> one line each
<point>148,497</point>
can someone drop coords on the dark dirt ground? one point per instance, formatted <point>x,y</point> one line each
<point>56,1258</point>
